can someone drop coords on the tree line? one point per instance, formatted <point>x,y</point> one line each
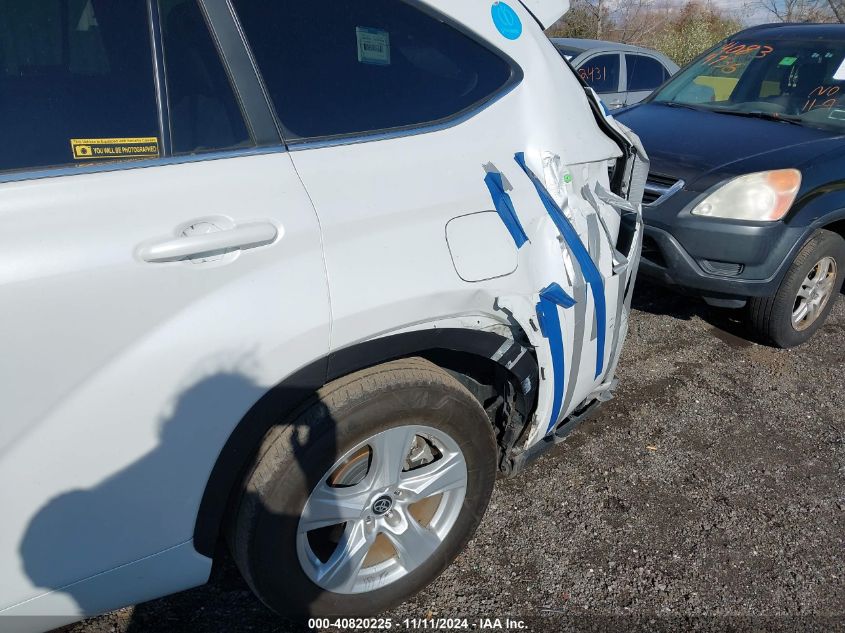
<point>683,31</point>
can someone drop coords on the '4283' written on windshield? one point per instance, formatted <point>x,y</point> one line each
<point>733,55</point>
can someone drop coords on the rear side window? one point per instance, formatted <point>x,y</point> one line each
<point>601,73</point>
<point>76,82</point>
<point>351,67</point>
<point>644,73</point>
<point>204,113</point>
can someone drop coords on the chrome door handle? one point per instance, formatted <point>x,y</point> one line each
<point>239,238</point>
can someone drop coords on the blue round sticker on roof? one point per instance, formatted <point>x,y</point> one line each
<point>507,21</point>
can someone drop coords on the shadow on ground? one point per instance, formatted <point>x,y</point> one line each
<point>727,325</point>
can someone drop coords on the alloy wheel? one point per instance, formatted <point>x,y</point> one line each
<point>382,510</point>
<point>814,294</point>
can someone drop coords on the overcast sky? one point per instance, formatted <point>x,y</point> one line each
<point>750,11</point>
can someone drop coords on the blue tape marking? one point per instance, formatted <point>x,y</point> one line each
<point>505,207</point>
<point>557,295</point>
<point>549,318</point>
<point>507,21</point>
<point>550,298</point>
<point>588,266</point>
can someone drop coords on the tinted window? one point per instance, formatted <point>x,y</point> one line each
<point>644,73</point>
<point>204,113</point>
<point>75,69</point>
<point>336,67</point>
<point>601,73</point>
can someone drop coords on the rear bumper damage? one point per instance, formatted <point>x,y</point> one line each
<point>577,323</point>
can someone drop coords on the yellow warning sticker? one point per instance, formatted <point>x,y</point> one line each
<point>114,148</point>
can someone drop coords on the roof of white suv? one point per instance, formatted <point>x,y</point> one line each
<point>547,12</point>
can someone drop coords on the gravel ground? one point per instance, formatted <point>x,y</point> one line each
<point>709,495</point>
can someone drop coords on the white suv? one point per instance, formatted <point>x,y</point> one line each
<point>299,276</point>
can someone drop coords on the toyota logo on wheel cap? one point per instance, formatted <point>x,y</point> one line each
<point>382,505</point>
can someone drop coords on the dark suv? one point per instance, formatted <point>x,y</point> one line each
<point>746,201</point>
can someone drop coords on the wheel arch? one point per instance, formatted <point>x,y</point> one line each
<point>837,226</point>
<point>830,216</point>
<point>833,222</point>
<point>472,356</point>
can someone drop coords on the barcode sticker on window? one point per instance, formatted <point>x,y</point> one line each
<point>373,46</point>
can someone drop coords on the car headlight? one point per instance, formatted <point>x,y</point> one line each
<point>763,197</point>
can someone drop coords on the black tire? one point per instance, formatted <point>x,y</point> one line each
<point>771,317</point>
<point>299,453</point>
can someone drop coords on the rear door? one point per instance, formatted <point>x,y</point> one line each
<point>160,269</point>
<point>364,91</point>
<point>603,73</point>
<point>644,75</point>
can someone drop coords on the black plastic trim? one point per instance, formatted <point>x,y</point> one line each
<point>239,64</point>
<point>678,268</point>
<point>162,98</point>
<point>536,19</point>
<point>522,460</point>
<point>617,183</point>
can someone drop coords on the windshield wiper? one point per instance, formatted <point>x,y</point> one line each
<point>766,116</point>
<point>678,104</point>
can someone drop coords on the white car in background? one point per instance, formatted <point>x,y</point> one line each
<point>298,276</point>
<point>621,74</point>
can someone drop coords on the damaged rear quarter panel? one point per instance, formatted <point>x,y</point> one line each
<point>386,205</point>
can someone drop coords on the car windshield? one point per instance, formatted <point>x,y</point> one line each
<point>795,81</point>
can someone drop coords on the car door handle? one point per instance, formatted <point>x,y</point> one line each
<point>239,238</point>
